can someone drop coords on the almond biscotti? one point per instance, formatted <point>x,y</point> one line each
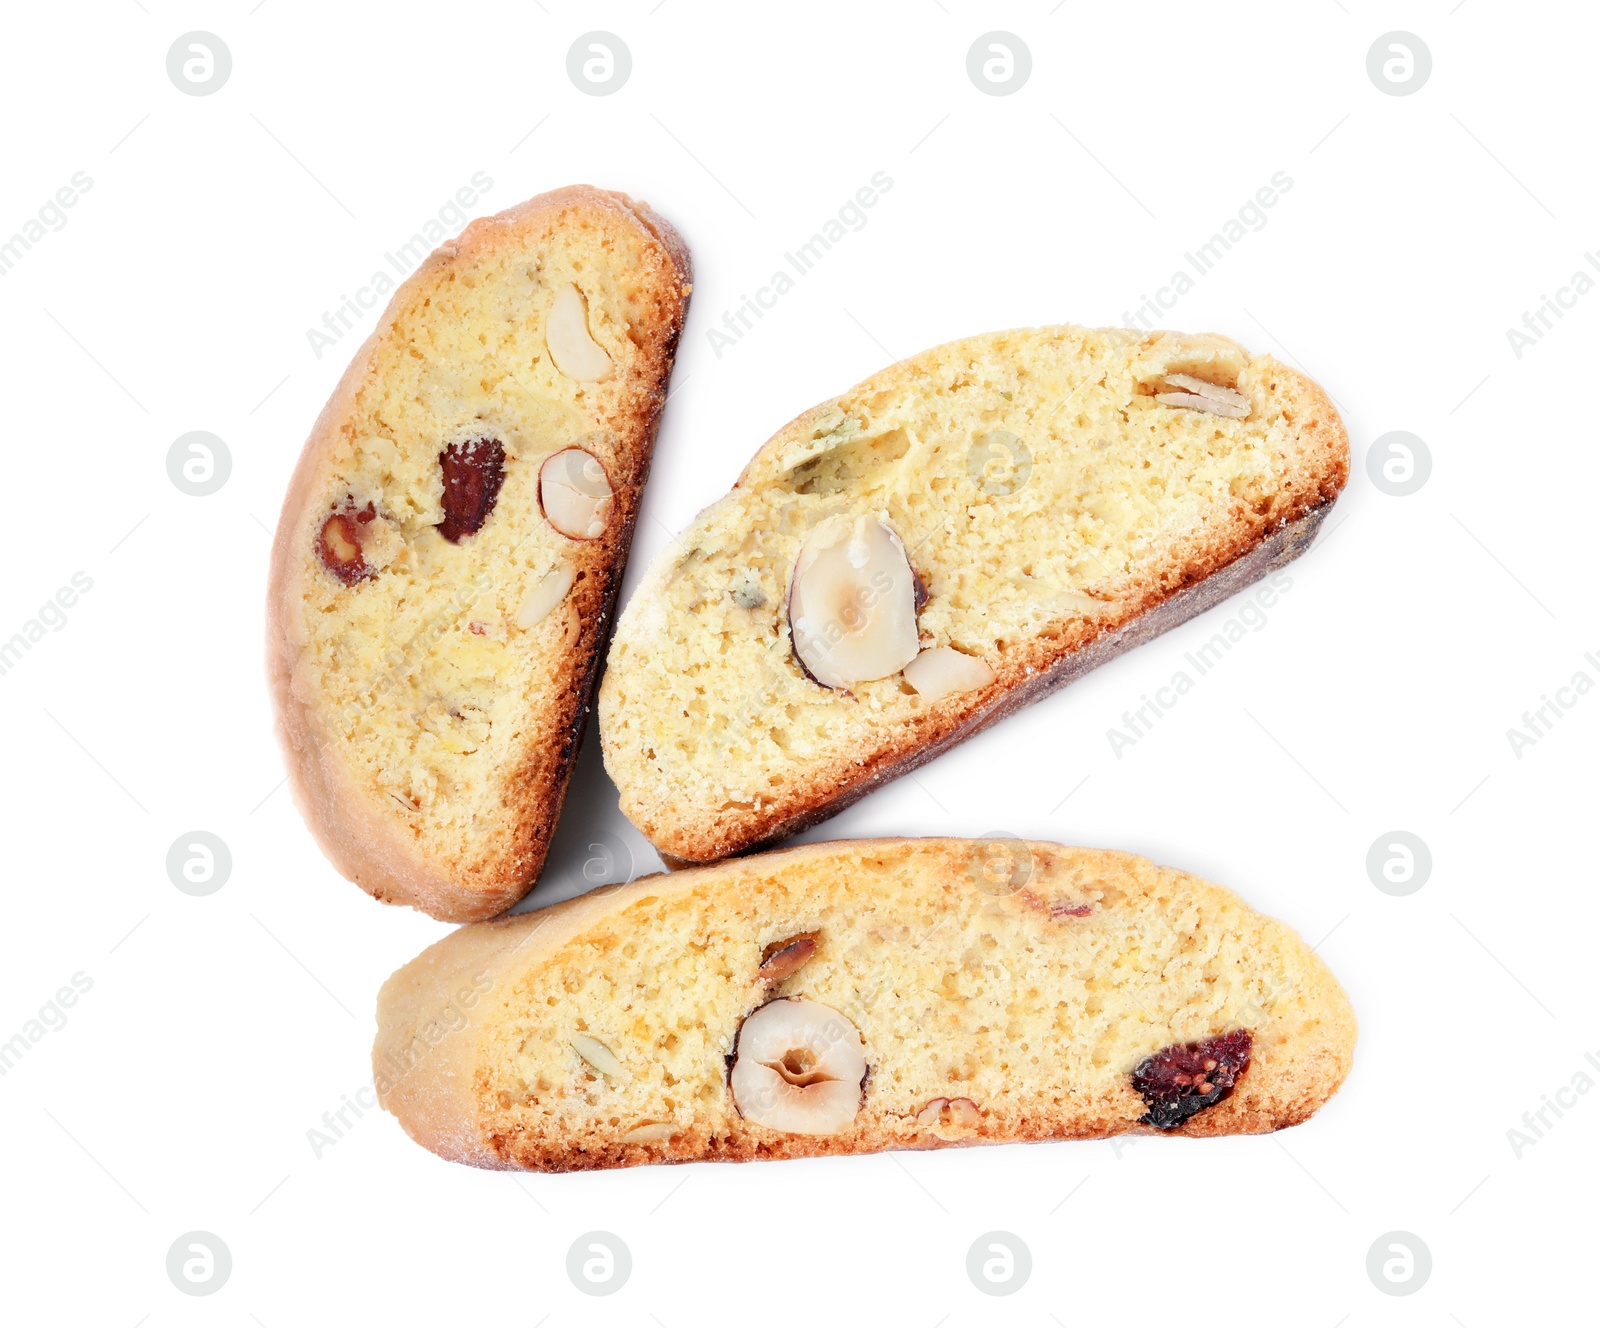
<point>946,542</point>
<point>452,540</point>
<point>855,996</point>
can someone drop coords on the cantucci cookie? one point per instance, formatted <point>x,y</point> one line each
<point>452,541</point>
<point>855,996</point>
<point>948,541</point>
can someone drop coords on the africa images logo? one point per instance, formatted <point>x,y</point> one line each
<point>51,216</point>
<point>446,221</point>
<point>850,216</point>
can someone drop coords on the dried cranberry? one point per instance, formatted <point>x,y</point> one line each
<point>473,473</point>
<point>340,540</point>
<point>1188,1077</point>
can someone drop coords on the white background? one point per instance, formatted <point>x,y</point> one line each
<point>1377,697</point>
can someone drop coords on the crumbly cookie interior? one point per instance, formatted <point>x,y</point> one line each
<point>1041,491</point>
<point>1026,980</point>
<point>426,681</point>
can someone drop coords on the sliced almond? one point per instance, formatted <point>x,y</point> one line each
<point>1197,394</point>
<point>547,592</point>
<point>959,1113</point>
<point>575,494</point>
<point>853,603</point>
<point>566,333</point>
<point>941,671</point>
<point>964,1113</point>
<point>799,1067</point>
<point>783,959</point>
<point>1075,602</point>
<point>600,1056</point>
<point>650,1132</point>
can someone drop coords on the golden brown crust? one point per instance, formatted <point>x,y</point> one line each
<point>1019,688</point>
<point>1199,574</point>
<point>435,1069</point>
<point>359,836</point>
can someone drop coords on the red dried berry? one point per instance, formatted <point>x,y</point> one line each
<point>340,539</point>
<point>1188,1077</point>
<point>473,473</point>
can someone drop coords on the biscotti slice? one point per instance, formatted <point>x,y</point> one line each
<point>948,541</point>
<point>855,996</point>
<point>452,541</point>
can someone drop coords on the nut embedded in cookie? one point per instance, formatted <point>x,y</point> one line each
<point>472,472</point>
<point>546,593</point>
<point>566,334</point>
<point>798,1066</point>
<point>942,671</point>
<point>783,959</point>
<point>1196,394</point>
<point>339,544</point>
<point>650,1132</point>
<point>575,494</point>
<point>957,1114</point>
<point>598,1056</point>
<point>853,603</point>
<point>355,543</point>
